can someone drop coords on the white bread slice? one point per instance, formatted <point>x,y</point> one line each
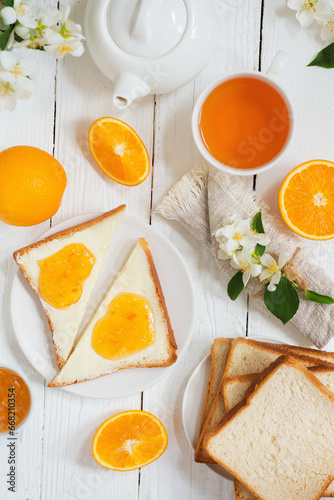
<point>326,377</point>
<point>139,276</point>
<point>234,391</point>
<point>235,388</point>
<point>248,356</point>
<point>219,352</point>
<point>324,356</point>
<point>96,235</point>
<point>278,440</point>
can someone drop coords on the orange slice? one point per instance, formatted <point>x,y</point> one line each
<point>119,151</point>
<point>306,200</point>
<point>129,440</point>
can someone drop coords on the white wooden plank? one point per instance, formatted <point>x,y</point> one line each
<point>84,95</point>
<point>30,124</point>
<point>176,475</point>
<point>310,92</point>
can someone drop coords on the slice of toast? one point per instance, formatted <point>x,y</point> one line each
<point>219,352</point>
<point>247,356</point>
<point>234,391</point>
<point>96,236</point>
<point>324,356</point>
<point>139,276</point>
<point>278,440</point>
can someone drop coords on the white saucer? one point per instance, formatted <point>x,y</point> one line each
<point>33,333</point>
<point>193,398</point>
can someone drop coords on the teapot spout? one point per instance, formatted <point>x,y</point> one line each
<point>127,88</point>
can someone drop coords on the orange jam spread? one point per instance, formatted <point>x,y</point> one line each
<point>14,400</point>
<point>63,274</point>
<point>127,327</point>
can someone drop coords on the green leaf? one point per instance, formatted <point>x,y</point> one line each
<point>9,3</point>
<point>325,58</point>
<point>316,297</point>
<point>4,37</point>
<point>260,249</point>
<point>256,223</point>
<point>235,286</point>
<point>284,301</point>
<point>257,226</point>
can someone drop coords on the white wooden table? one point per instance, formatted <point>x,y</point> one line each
<point>53,451</point>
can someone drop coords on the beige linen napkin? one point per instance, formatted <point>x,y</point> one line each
<point>204,200</point>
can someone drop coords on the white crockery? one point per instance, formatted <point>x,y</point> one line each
<point>272,73</point>
<point>33,333</point>
<point>150,46</point>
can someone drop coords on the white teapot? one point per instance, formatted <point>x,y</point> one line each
<point>150,46</point>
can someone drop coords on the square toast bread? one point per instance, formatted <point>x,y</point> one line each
<point>277,440</point>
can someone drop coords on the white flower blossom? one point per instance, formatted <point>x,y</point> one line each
<point>51,30</point>
<point>7,96</point>
<point>61,46</point>
<point>14,79</point>
<point>67,27</point>
<point>308,10</point>
<point>239,234</point>
<point>272,271</point>
<point>64,39</point>
<point>13,70</point>
<point>22,11</point>
<point>243,261</point>
<point>326,20</point>
<point>48,18</point>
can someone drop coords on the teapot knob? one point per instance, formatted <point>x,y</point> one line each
<point>140,26</point>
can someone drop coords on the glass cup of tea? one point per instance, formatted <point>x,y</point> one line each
<point>243,122</point>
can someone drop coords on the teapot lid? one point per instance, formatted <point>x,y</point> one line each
<point>147,28</point>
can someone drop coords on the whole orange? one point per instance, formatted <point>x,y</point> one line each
<point>32,184</point>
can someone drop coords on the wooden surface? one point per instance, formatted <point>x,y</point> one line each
<point>54,460</point>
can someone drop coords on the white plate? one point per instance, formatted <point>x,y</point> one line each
<point>193,398</point>
<point>33,333</point>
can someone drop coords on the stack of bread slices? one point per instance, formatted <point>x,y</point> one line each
<point>268,419</point>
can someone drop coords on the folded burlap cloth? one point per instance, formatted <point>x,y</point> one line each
<point>205,199</point>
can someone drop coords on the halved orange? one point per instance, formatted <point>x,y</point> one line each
<point>129,440</point>
<point>119,151</point>
<point>306,200</point>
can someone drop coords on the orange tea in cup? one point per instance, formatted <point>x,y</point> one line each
<point>244,122</point>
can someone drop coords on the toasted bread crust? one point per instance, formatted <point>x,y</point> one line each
<point>200,456</point>
<point>67,232</point>
<point>308,351</point>
<point>326,494</point>
<point>210,395</point>
<point>295,350</point>
<point>227,381</point>
<point>161,298</point>
<point>272,348</point>
<point>170,335</point>
<point>58,236</point>
<point>53,383</point>
<point>321,368</point>
<point>252,391</point>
